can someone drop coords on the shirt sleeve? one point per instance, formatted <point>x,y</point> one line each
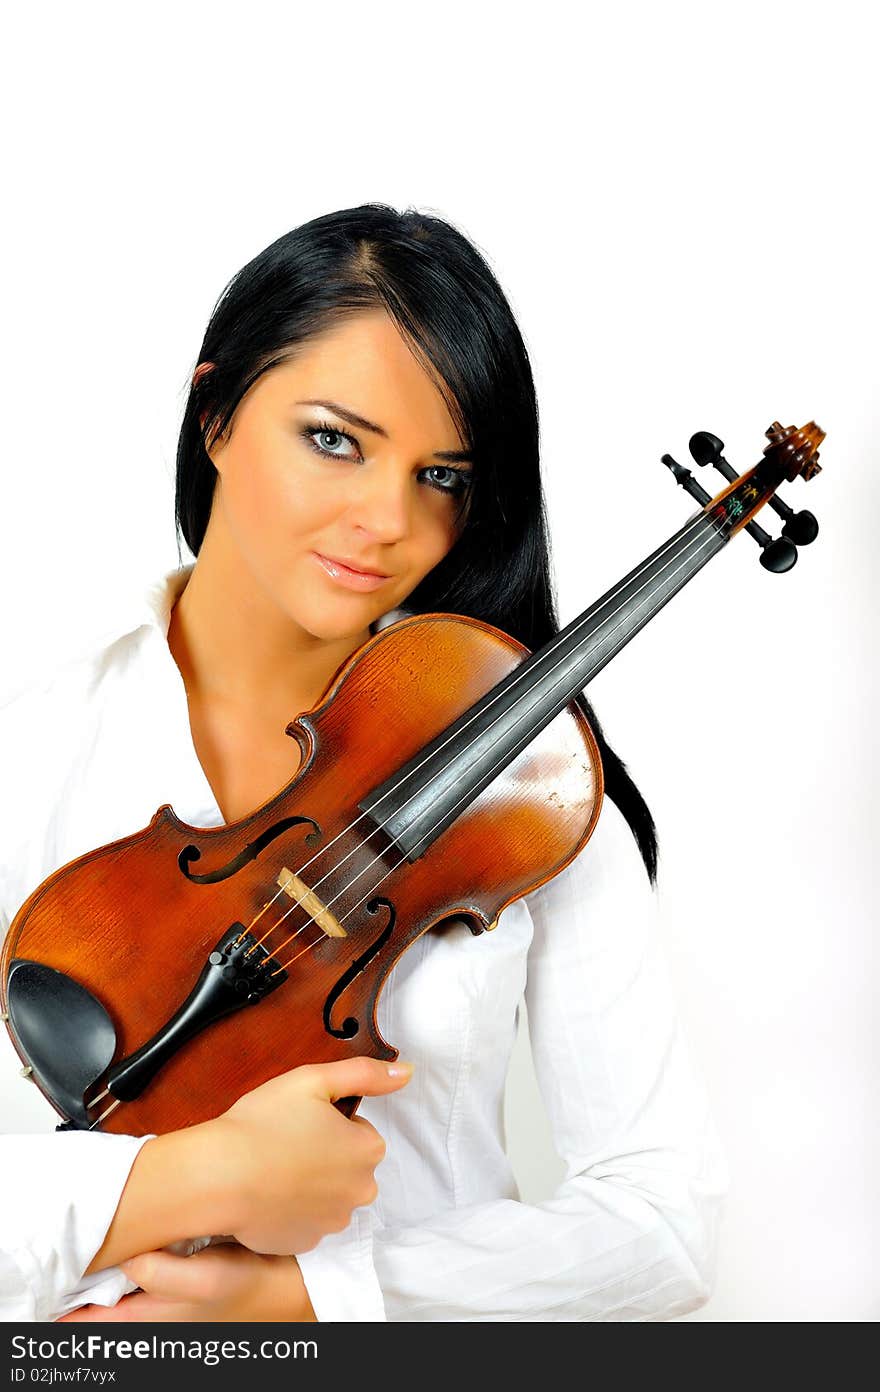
<point>631,1231</point>
<point>70,1185</point>
<point>60,1192</point>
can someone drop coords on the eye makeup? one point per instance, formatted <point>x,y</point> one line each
<point>456,483</point>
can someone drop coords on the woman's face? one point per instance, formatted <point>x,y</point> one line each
<point>337,521</point>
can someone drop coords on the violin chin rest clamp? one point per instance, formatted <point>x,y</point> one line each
<point>64,1033</point>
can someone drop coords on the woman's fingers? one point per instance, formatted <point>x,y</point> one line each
<point>215,1273</point>
<point>356,1077</point>
<point>135,1306</point>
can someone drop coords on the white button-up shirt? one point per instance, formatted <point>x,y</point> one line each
<point>87,756</point>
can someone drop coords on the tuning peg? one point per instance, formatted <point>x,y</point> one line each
<point>800,527</point>
<point>777,554</point>
<point>706,448</point>
<point>685,479</point>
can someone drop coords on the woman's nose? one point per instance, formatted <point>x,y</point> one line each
<point>382,502</point>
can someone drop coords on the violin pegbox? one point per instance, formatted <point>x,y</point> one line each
<point>791,452</point>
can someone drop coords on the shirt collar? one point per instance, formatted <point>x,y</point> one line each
<point>162,595</point>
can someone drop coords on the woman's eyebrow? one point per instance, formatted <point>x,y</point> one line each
<point>454,456</point>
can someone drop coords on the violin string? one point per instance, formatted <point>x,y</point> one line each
<point>711,536</point>
<point>505,758</point>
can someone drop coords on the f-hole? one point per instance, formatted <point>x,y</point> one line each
<point>350,1026</point>
<point>250,852</point>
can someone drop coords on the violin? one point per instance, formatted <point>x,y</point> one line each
<point>446,772</point>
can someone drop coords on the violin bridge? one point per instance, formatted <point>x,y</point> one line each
<point>308,899</point>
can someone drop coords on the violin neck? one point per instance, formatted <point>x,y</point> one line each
<point>426,795</point>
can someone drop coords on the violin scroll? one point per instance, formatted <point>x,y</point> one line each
<point>799,448</point>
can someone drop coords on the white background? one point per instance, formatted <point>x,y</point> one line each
<point>680,203</point>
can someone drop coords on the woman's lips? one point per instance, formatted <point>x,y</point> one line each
<point>345,575</point>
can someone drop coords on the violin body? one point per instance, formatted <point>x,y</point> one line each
<point>135,921</point>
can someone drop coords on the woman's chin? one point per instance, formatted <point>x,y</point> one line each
<point>338,627</point>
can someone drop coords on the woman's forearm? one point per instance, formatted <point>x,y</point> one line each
<point>172,1192</point>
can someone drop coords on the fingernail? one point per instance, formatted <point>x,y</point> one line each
<point>399,1069</point>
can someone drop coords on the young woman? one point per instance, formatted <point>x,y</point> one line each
<point>361,436</point>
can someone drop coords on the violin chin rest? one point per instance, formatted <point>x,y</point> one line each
<point>64,1033</point>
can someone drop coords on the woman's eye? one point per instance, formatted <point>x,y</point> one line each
<point>325,440</point>
<point>449,480</point>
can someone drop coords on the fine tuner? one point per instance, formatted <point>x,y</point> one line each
<point>778,554</point>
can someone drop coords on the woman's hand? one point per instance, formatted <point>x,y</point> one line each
<point>288,1165</point>
<point>277,1171</point>
<point>222,1283</point>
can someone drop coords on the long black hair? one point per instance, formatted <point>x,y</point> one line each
<point>445,298</point>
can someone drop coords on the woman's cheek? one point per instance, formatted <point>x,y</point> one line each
<point>441,542</point>
<point>308,504</point>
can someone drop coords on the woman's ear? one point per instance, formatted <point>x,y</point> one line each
<point>201,369</point>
